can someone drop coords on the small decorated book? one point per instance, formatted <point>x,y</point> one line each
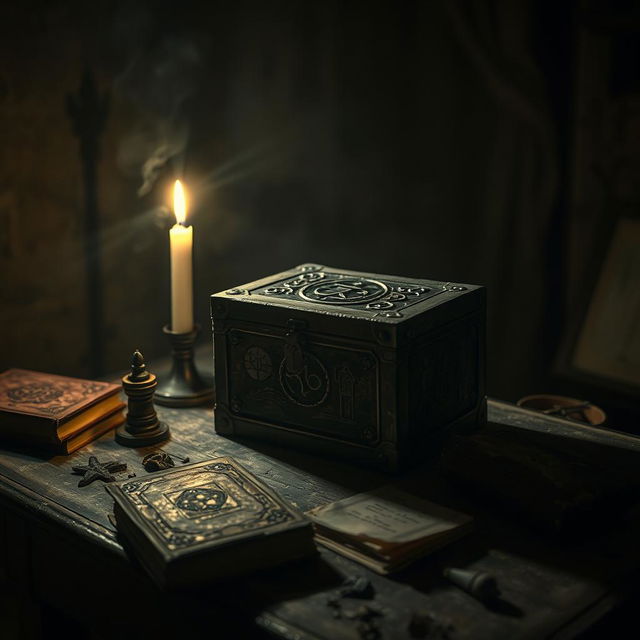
<point>387,529</point>
<point>54,412</point>
<point>200,522</point>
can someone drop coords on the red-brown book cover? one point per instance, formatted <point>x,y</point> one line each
<point>47,409</point>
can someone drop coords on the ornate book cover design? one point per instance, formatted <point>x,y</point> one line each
<point>44,395</point>
<point>202,505</point>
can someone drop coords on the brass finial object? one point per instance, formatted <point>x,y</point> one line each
<point>138,367</point>
<point>142,427</point>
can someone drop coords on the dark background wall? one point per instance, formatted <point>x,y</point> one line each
<point>426,139</point>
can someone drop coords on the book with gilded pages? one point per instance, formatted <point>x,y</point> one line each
<point>90,433</point>
<point>57,413</point>
<point>387,529</point>
<point>201,522</point>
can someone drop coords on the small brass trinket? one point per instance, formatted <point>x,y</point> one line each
<point>157,461</point>
<point>357,587</point>
<point>142,427</point>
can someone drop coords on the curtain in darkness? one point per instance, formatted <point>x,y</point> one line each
<point>521,175</point>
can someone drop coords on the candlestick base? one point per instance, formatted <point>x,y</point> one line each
<point>183,386</point>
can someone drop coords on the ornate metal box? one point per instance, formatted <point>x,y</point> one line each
<point>369,367</point>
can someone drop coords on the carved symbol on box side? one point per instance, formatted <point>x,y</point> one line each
<point>367,362</point>
<point>201,499</point>
<point>303,377</point>
<point>344,291</point>
<point>257,363</point>
<point>346,389</point>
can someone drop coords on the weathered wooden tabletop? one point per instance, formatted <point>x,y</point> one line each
<point>61,548</point>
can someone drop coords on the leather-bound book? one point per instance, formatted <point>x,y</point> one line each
<point>205,521</point>
<point>56,413</point>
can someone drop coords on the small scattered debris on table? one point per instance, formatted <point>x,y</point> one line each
<point>357,587</point>
<point>96,470</point>
<point>424,625</point>
<point>160,460</point>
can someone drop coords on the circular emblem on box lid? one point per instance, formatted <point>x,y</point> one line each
<point>344,291</point>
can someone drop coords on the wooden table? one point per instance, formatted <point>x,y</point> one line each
<point>61,554</point>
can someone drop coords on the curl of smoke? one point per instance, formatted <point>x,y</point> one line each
<point>157,82</point>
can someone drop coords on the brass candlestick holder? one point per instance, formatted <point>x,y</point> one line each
<point>183,387</point>
<point>142,427</point>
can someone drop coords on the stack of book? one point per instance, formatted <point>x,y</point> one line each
<point>56,414</point>
<point>387,529</point>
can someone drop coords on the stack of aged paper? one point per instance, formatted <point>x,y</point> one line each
<point>387,529</point>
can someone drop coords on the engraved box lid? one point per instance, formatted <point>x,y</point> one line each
<point>344,302</point>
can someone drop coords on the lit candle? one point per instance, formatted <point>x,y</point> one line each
<point>181,242</point>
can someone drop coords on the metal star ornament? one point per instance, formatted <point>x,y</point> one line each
<point>97,470</point>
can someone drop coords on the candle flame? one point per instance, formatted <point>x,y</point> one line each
<point>179,202</point>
